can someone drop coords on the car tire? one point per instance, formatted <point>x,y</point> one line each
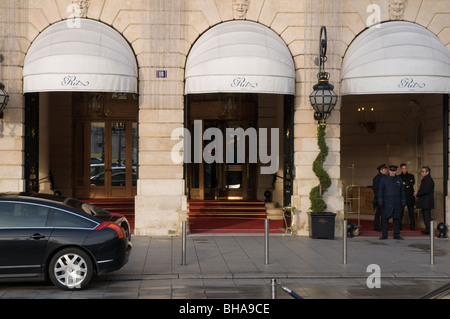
<point>71,269</point>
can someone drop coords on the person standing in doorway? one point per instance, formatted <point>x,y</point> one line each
<point>382,171</point>
<point>408,182</point>
<point>425,197</point>
<point>391,200</point>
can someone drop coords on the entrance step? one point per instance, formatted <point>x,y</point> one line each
<point>123,206</point>
<point>224,208</point>
<point>229,216</point>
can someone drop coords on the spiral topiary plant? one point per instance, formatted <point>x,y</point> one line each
<point>318,205</point>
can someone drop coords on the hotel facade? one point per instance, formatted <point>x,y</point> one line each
<point>118,99</point>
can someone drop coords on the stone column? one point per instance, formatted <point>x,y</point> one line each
<point>305,127</point>
<point>160,201</point>
<point>14,26</point>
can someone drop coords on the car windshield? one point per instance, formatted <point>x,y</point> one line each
<point>88,208</point>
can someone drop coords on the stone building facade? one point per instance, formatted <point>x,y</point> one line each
<point>161,35</point>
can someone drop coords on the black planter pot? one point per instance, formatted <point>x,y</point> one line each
<point>321,225</point>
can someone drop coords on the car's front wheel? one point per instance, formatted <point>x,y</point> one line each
<point>71,269</point>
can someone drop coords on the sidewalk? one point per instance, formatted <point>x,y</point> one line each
<point>232,267</point>
<point>314,266</point>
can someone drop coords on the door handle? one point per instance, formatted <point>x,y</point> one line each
<point>37,236</point>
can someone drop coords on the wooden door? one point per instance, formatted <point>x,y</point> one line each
<point>105,159</point>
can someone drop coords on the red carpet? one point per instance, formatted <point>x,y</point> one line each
<point>230,216</point>
<point>366,230</point>
<point>123,206</point>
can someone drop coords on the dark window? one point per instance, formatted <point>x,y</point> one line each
<point>22,215</point>
<point>59,218</point>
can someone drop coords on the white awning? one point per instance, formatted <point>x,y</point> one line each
<point>83,56</point>
<point>397,57</point>
<point>240,56</point>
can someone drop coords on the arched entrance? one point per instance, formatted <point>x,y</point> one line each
<point>395,85</point>
<point>80,86</point>
<point>240,81</point>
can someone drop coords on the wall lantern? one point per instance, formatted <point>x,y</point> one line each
<point>4,98</point>
<point>323,99</point>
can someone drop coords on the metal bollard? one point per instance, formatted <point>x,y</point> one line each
<point>345,242</point>
<point>432,242</point>
<point>266,241</point>
<point>291,293</point>
<point>273,286</point>
<point>183,245</point>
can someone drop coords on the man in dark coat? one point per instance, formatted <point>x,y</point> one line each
<point>391,199</point>
<point>382,171</point>
<point>425,197</point>
<point>408,182</point>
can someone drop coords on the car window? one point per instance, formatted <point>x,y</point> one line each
<point>59,218</point>
<point>87,208</point>
<point>13,214</point>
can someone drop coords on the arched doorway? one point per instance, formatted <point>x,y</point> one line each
<point>395,82</point>
<point>240,77</point>
<point>80,86</point>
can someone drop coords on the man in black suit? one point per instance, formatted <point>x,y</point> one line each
<point>391,200</point>
<point>425,196</point>
<point>382,171</point>
<point>408,181</point>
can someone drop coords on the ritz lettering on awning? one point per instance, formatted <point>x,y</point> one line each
<point>241,82</point>
<point>73,81</point>
<point>410,83</point>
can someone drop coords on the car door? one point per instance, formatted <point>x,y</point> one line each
<point>23,238</point>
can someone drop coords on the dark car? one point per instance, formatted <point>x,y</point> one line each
<point>63,239</point>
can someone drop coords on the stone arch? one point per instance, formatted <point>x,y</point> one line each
<point>234,42</point>
<point>96,46</point>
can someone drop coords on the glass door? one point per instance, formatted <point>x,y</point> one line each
<point>233,170</point>
<point>239,174</point>
<point>98,159</point>
<point>212,181</point>
<point>223,179</point>
<point>106,159</point>
<point>123,155</point>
